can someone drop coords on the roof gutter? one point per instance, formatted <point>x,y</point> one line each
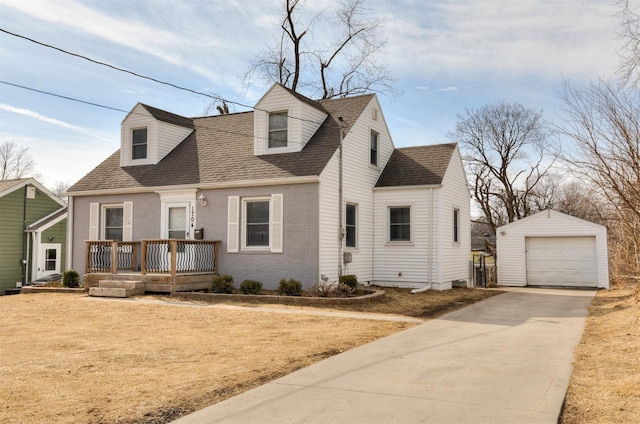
<point>410,187</point>
<point>203,186</point>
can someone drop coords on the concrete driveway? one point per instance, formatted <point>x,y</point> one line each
<point>507,359</point>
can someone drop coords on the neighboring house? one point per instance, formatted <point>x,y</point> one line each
<point>551,248</point>
<point>274,192</point>
<point>33,232</point>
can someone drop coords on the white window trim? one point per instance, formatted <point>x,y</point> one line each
<point>190,218</point>
<point>243,230</point>
<point>283,149</point>
<point>455,233</point>
<point>357,241</point>
<point>377,164</point>
<point>148,156</point>
<point>103,217</point>
<point>177,198</point>
<point>411,226</point>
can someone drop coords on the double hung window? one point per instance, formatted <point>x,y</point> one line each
<point>139,143</point>
<point>113,222</point>
<point>278,134</point>
<point>350,225</point>
<point>400,223</point>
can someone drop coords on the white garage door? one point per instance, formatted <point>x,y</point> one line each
<point>561,261</point>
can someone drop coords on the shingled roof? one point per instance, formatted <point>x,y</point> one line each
<point>221,150</point>
<point>420,165</point>
<point>171,118</point>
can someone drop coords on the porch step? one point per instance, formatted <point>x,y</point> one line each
<point>108,288</point>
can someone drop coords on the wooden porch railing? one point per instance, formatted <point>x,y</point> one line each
<point>167,256</point>
<point>111,256</point>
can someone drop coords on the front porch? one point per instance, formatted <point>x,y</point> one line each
<point>167,266</point>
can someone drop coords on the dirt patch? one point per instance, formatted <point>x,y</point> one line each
<point>68,358</point>
<point>604,386</point>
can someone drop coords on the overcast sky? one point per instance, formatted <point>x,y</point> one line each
<point>445,57</point>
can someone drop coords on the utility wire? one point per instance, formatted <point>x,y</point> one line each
<point>169,120</point>
<point>218,98</point>
<point>63,97</point>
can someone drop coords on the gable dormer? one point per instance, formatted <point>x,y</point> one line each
<point>149,134</point>
<point>284,121</point>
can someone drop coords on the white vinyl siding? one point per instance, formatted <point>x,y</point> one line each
<point>455,196</point>
<point>359,178</point>
<point>406,264</point>
<point>162,137</point>
<point>512,245</point>
<point>303,121</point>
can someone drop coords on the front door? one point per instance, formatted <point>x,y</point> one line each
<point>48,259</point>
<point>178,221</point>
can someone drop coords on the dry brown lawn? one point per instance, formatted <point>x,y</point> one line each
<point>67,358</point>
<point>605,384</point>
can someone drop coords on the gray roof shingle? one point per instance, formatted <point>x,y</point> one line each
<point>419,165</point>
<point>221,150</point>
<point>171,118</point>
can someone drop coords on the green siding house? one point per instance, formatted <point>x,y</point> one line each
<point>33,232</point>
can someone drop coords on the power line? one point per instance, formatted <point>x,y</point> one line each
<point>169,120</point>
<point>63,97</point>
<point>218,98</point>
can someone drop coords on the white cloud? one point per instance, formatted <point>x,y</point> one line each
<point>542,37</point>
<point>39,117</point>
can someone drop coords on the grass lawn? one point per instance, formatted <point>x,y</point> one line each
<point>68,358</point>
<point>605,384</point>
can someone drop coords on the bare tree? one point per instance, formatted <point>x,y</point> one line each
<point>629,67</point>
<point>345,66</point>
<point>582,200</point>
<point>59,188</point>
<point>603,119</point>
<point>505,147</point>
<point>15,162</point>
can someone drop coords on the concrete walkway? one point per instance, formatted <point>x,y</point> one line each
<point>506,359</point>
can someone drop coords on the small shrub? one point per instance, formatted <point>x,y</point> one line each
<point>343,290</point>
<point>322,289</point>
<point>350,280</point>
<point>71,279</point>
<point>222,284</point>
<point>290,287</point>
<point>251,287</point>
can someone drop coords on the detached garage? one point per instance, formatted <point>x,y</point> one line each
<point>552,249</point>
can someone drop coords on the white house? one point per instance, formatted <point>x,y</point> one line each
<point>294,189</point>
<point>552,249</point>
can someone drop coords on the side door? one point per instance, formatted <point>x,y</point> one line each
<point>48,259</point>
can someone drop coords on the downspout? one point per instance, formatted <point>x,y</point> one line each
<point>24,235</point>
<point>69,247</point>
<point>340,206</point>
<point>429,250</point>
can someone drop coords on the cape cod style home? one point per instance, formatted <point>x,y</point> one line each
<point>294,189</point>
<point>33,232</point>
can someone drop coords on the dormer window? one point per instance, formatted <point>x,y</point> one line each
<point>278,124</point>
<point>139,143</point>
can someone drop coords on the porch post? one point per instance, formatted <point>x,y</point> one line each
<point>215,257</point>
<point>86,256</point>
<point>114,257</point>
<point>143,258</point>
